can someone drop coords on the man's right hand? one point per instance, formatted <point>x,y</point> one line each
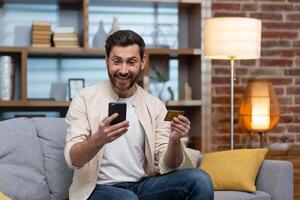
<point>108,133</point>
<point>84,151</point>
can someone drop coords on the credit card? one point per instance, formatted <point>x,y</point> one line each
<point>173,113</point>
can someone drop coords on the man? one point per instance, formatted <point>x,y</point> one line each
<point>136,158</point>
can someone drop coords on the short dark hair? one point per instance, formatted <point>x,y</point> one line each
<point>124,38</point>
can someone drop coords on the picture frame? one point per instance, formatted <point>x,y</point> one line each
<point>75,84</point>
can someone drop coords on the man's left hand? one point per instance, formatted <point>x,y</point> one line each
<point>180,127</point>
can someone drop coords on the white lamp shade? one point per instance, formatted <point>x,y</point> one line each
<point>232,37</point>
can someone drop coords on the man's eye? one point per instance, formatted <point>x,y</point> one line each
<point>116,62</point>
<point>133,62</point>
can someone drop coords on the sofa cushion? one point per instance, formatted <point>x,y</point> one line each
<point>52,135</point>
<point>234,195</point>
<point>234,169</point>
<point>22,174</point>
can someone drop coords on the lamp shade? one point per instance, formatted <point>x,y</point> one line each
<point>232,37</point>
<point>259,111</point>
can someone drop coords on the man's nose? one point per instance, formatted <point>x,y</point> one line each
<point>124,68</point>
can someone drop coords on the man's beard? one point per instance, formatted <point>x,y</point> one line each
<point>120,88</point>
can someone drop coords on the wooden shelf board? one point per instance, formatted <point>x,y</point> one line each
<point>183,103</point>
<point>174,51</point>
<point>8,49</point>
<point>49,103</point>
<point>39,2</point>
<point>34,103</point>
<point>91,52</point>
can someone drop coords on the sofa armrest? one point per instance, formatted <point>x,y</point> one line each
<point>276,178</point>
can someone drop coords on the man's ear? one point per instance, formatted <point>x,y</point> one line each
<point>143,62</point>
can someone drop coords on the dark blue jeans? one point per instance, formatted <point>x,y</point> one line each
<point>184,184</point>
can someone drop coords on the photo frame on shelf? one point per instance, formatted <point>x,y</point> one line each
<point>75,84</point>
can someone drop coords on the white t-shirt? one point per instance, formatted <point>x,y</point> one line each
<point>123,159</point>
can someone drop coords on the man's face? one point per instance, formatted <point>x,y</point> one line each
<point>124,66</point>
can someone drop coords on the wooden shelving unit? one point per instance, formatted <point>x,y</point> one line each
<point>188,55</point>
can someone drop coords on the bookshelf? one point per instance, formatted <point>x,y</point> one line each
<point>191,66</point>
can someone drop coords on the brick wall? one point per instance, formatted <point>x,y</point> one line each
<point>279,63</point>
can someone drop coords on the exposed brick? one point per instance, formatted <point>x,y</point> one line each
<point>292,72</point>
<point>249,7</point>
<point>280,81</point>
<point>297,62</point>
<point>297,52</point>
<point>221,80</point>
<point>265,72</point>
<point>294,109</point>
<point>225,6</point>
<point>267,16</point>
<point>276,7</point>
<point>247,62</point>
<point>229,14</point>
<point>286,119</point>
<point>285,100</point>
<point>280,25</point>
<point>293,90</point>
<point>279,64</point>
<point>220,62</point>
<point>275,43</point>
<point>280,34</point>
<point>278,53</point>
<point>225,90</point>
<point>297,118</point>
<point>278,129</point>
<point>221,71</point>
<point>293,17</point>
<point>293,128</point>
<point>226,71</point>
<point>276,62</point>
<point>220,100</point>
<point>296,43</point>
<point>279,90</point>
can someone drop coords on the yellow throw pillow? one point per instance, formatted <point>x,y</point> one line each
<point>235,169</point>
<point>3,197</point>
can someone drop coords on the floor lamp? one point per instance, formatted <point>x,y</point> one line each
<point>232,38</point>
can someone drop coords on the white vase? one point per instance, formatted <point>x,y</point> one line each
<point>100,36</point>
<point>6,78</point>
<point>115,26</point>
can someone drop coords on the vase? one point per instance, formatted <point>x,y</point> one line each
<point>6,78</point>
<point>100,36</point>
<point>115,26</point>
<point>166,94</point>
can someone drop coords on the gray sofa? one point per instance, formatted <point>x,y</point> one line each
<point>32,165</point>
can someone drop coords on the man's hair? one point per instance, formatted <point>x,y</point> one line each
<point>124,38</point>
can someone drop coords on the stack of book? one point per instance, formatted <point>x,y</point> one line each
<point>41,34</point>
<point>65,37</point>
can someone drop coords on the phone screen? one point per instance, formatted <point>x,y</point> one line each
<point>117,107</point>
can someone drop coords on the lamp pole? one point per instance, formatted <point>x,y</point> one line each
<point>231,102</point>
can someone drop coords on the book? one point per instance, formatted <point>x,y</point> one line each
<point>66,46</point>
<point>41,37</point>
<point>41,32</point>
<point>41,23</point>
<point>65,39</point>
<point>41,45</point>
<point>65,29</point>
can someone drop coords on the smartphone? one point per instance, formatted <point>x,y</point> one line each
<point>117,107</point>
<point>173,113</point>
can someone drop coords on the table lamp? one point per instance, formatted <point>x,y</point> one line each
<point>232,38</point>
<point>259,110</point>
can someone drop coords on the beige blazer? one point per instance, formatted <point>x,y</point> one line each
<point>88,108</point>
